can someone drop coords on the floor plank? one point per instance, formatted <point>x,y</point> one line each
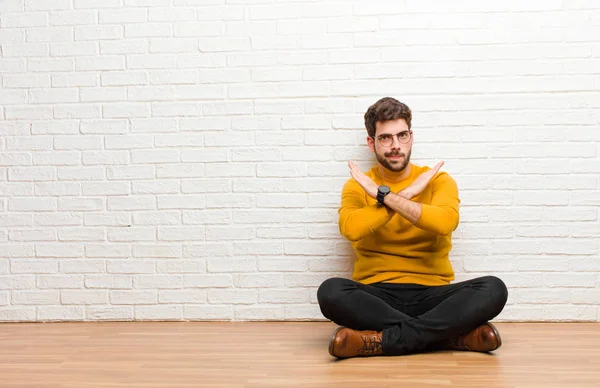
<point>280,354</point>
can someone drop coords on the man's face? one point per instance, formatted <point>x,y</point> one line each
<point>396,156</point>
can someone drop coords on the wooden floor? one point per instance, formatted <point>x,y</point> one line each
<point>263,354</point>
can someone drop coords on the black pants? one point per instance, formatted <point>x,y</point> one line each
<point>413,317</point>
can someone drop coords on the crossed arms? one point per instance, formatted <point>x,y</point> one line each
<point>358,219</point>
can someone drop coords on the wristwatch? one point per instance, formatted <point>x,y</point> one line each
<point>382,191</point>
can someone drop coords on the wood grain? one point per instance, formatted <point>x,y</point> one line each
<point>280,354</point>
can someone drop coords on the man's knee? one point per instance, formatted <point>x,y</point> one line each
<point>497,292</point>
<point>329,290</point>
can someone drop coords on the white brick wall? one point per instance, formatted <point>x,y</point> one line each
<point>183,159</point>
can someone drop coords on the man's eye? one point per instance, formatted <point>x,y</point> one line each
<point>385,137</point>
<point>403,135</point>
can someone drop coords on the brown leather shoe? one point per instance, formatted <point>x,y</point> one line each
<point>347,343</point>
<point>484,338</point>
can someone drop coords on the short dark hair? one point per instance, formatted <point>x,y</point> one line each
<point>386,109</point>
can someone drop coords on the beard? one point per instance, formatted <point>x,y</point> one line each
<point>393,165</point>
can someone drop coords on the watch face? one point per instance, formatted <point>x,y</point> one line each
<point>384,189</point>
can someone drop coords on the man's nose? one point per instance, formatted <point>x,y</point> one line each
<point>396,142</point>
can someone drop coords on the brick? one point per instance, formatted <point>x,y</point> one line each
<point>208,312</point>
<point>182,266</point>
<point>80,204</point>
<point>181,170</point>
<point>309,248</point>
<point>18,282</point>
<point>59,281</point>
<point>60,313</point>
<point>155,156</point>
<point>229,201</point>
<point>35,297</point>
<point>111,281</point>
<point>206,155</point>
<point>17,250</point>
<point>232,297</point>
<point>157,218</point>
<point>83,297</point>
<point>130,172</point>
<point>257,185</point>
<point>80,173</point>
<point>181,201</point>
<point>28,112</point>
<point>16,219</point>
<point>259,313</point>
<point>309,185</point>
<point>157,251</point>
<point>103,94</point>
<point>105,188</point>
<point>105,157</point>
<point>71,18</point>
<point>32,204</point>
<point>258,280</point>
<point>124,78</point>
<point>287,216</point>
<point>20,50</point>
<point>182,296</point>
<point>129,234</point>
<point>133,297</point>
<point>281,169</point>
<point>71,50</point>
<point>170,77</point>
<point>159,281</point>
<point>208,281</point>
<point>34,266</point>
<point>154,313</point>
<point>277,296</point>
<point>77,111</point>
<point>82,266</point>
<point>17,314</point>
<point>281,200</point>
<point>81,234</point>
<point>125,110</point>
<point>109,313</point>
<point>130,266</point>
<point>108,219</point>
<point>15,159</point>
<point>161,186</point>
<point>206,250</point>
<point>237,264</point>
<point>179,140</point>
<point>78,142</point>
<point>34,143</point>
<point>310,312</point>
<point>181,233</point>
<point>229,233</point>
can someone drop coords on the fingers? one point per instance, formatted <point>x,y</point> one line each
<point>438,166</point>
<point>353,169</point>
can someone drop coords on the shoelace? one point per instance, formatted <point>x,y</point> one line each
<point>370,345</point>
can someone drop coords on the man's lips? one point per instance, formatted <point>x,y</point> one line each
<point>395,156</point>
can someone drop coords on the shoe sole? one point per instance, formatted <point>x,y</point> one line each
<point>497,333</point>
<point>332,342</point>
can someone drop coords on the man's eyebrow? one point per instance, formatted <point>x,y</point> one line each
<point>395,133</point>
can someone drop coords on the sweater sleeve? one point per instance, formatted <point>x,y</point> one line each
<point>441,216</point>
<point>357,219</point>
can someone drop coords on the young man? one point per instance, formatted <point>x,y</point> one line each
<point>400,218</point>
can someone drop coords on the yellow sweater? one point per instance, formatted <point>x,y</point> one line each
<point>391,249</point>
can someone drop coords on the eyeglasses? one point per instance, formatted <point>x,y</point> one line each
<point>387,139</point>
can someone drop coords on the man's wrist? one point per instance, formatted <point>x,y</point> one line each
<point>406,194</point>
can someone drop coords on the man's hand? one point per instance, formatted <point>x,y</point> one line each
<point>366,183</point>
<point>421,182</point>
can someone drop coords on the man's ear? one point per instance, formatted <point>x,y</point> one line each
<point>371,143</point>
